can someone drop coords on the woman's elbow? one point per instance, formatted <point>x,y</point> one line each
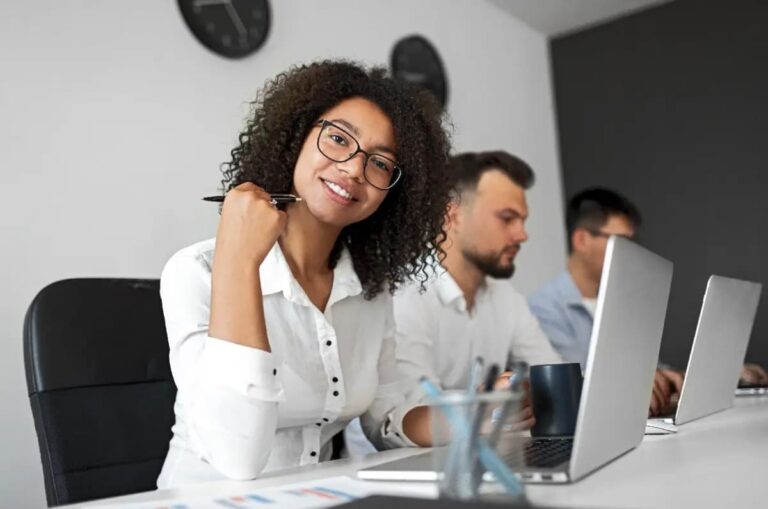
<point>237,448</point>
<point>238,466</point>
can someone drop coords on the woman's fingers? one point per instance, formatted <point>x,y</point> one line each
<point>250,224</point>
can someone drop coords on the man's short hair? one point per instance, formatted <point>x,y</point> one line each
<point>591,209</point>
<point>466,169</point>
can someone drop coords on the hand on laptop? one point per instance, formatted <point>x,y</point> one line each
<point>675,377</point>
<point>666,383</point>
<point>753,374</point>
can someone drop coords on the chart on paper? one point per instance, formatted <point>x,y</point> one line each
<point>323,493</point>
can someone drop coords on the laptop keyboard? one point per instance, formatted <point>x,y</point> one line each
<point>542,453</point>
<point>748,385</point>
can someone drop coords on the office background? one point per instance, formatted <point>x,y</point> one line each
<point>670,107</point>
<point>114,119</point>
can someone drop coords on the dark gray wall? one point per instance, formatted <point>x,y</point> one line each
<point>670,107</point>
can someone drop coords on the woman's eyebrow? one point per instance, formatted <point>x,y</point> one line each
<point>346,124</point>
<point>356,132</point>
<point>384,148</point>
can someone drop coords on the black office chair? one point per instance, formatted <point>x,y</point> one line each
<point>100,386</point>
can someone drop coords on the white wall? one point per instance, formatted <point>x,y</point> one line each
<point>113,121</point>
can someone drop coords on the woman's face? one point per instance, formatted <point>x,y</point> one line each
<point>338,193</point>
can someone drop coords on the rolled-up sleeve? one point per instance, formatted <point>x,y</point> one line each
<point>382,423</point>
<point>228,392</point>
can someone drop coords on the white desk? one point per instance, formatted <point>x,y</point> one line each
<point>719,461</point>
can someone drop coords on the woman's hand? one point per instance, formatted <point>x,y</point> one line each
<point>249,226</point>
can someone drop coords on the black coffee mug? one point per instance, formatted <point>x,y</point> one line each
<point>555,396</point>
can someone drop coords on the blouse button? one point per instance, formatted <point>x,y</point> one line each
<point>334,379</point>
<point>326,419</point>
<point>274,371</point>
<point>313,454</point>
<point>335,393</point>
<point>327,343</point>
<point>318,424</point>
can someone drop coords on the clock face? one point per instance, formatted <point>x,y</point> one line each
<point>414,59</point>
<point>231,28</point>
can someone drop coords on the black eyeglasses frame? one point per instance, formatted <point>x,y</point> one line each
<point>398,172</point>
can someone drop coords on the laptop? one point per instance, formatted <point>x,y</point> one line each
<point>751,389</point>
<point>719,347</point>
<point>624,348</point>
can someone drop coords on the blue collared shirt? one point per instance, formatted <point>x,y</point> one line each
<point>564,318</point>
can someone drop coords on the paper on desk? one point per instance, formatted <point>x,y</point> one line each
<point>313,494</point>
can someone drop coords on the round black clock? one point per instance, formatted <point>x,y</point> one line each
<point>414,59</point>
<point>231,28</point>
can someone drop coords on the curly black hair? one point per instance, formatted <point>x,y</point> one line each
<point>397,242</point>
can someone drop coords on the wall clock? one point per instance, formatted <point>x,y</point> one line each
<point>230,28</point>
<point>414,59</point>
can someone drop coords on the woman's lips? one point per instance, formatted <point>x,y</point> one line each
<point>334,191</point>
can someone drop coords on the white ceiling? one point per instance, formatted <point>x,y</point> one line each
<point>557,17</point>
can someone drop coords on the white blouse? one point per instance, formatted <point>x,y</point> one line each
<point>241,411</point>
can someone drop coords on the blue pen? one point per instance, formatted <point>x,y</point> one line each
<point>477,421</point>
<point>487,456</point>
<point>455,452</point>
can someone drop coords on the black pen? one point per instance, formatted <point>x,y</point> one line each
<point>275,198</point>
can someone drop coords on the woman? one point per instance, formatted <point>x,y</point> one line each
<point>280,328</point>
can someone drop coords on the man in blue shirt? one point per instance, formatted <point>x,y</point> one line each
<point>565,307</point>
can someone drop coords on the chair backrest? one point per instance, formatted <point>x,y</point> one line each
<point>100,386</point>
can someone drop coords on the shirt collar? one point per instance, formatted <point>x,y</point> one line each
<point>345,280</point>
<point>450,294</point>
<point>276,276</point>
<point>571,294</point>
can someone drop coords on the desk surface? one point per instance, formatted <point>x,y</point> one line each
<point>718,461</point>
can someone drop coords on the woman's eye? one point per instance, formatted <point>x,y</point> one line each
<point>338,139</point>
<point>381,165</point>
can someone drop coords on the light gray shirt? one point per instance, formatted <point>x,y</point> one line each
<point>438,337</point>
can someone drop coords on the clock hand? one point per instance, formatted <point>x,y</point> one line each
<point>236,19</point>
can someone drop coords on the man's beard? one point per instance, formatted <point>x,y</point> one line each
<point>490,265</point>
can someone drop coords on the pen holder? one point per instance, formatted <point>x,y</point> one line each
<point>472,429</point>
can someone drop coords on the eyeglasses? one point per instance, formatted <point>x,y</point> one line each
<point>598,233</point>
<point>338,145</point>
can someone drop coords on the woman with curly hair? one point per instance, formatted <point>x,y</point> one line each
<point>280,328</point>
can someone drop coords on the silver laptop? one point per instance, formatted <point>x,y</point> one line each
<point>719,347</point>
<point>624,349</point>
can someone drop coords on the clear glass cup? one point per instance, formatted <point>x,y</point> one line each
<point>476,432</point>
